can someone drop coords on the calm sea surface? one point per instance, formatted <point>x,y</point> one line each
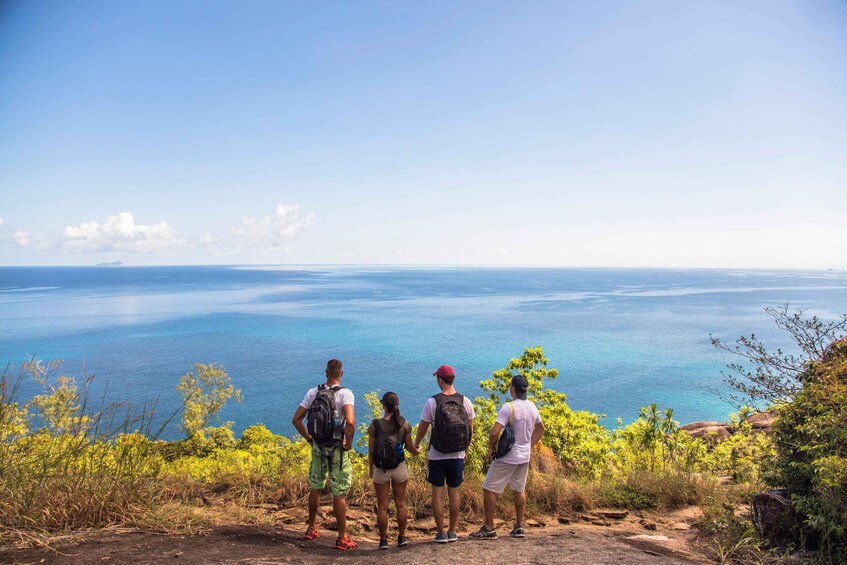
<point>620,338</point>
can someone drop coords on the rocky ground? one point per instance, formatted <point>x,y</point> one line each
<point>599,537</point>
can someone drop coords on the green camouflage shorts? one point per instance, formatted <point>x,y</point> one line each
<point>325,462</point>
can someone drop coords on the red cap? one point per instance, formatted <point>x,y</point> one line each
<point>444,371</point>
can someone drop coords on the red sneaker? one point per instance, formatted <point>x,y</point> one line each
<point>311,534</point>
<point>345,543</point>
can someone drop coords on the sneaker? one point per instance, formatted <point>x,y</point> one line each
<point>383,543</point>
<point>482,533</point>
<point>345,543</point>
<point>440,537</point>
<point>517,532</point>
<point>311,534</point>
<point>451,536</point>
<point>401,541</point>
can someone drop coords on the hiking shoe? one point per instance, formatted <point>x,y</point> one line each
<point>482,533</point>
<point>345,543</point>
<point>517,532</point>
<point>440,537</point>
<point>311,534</point>
<point>401,541</point>
<point>451,536</point>
<point>383,543</point>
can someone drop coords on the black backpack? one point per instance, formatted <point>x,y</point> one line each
<point>507,436</point>
<point>325,421</point>
<point>451,430</point>
<point>385,454</point>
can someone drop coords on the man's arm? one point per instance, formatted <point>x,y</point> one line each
<point>537,432</point>
<point>349,427</point>
<point>422,429</point>
<point>493,437</point>
<point>297,420</point>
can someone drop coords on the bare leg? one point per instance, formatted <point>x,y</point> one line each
<point>520,507</point>
<point>339,508</point>
<point>400,503</point>
<point>489,502</point>
<point>455,506</point>
<point>314,500</point>
<point>382,508</point>
<point>438,508</point>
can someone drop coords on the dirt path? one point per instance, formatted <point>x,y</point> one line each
<point>261,545</point>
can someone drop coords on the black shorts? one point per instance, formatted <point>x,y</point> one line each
<point>453,470</point>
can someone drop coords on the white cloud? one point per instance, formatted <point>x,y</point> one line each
<point>22,238</point>
<point>2,222</point>
<point>285,223</point>
<point>120,233</point>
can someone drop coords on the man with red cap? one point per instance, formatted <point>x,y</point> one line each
<point>451,416</point>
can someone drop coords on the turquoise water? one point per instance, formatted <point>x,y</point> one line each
<point>620,338</point>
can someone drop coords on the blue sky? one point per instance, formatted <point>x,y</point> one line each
<point>659,134</point>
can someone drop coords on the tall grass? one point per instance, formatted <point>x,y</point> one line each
<point>68,465</point>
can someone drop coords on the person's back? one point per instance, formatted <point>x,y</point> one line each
<point>331,424</point>
<point>451,416</point>
<point>512,467</point>
<point>524,418</point>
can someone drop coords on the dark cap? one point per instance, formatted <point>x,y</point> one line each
<point>521,384</point>
<point>445,371</point>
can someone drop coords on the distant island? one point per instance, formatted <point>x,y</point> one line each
<point>112,264</point>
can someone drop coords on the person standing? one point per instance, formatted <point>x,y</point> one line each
<point>331,423</point>
<point>511,467</point>
<point>386,459</point>
<point>451,417</point>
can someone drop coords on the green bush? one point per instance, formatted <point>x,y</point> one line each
<point>811,442</point>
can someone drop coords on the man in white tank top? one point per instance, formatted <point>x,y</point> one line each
<point>512,468</point>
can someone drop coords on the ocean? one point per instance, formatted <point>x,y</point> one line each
<point>621,338</point>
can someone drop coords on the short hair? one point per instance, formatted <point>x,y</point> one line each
<point>448,379</point>
<point>334,367</point>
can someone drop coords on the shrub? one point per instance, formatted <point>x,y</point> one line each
<point>811,443</point>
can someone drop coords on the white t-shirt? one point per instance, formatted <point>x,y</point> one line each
<point>343,397</point>
<point>524,421</point>
<point>428,415</point>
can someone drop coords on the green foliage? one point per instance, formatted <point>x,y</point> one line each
<point>205,392</point>
<point>811,443</point>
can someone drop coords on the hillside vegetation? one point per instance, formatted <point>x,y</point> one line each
<point>67,465</point>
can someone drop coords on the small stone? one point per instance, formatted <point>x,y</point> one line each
<point>178,554</point>
<point>648,525</point>
<point>600,523</point>
<point>680,526</point>
<point>563,520</point>
<point>533,523</point>
<point>614,514</point>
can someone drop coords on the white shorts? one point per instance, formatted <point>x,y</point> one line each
<point>399,474</point>
<point>499,474</point>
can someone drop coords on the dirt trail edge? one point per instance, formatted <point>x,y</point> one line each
<point>260,545</point>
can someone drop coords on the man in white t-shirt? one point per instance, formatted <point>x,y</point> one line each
<point>451,416</point>
<point>512,468</point>
<point>332,457</point>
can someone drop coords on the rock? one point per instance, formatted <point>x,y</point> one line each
<point>563,520</point>
<point>533,523</point>
<point>714,434</point>
<point>423,525</point>
<point>762,422</point>
<point>613,514</point>
<point>698,425</point>
<point>646,537</point>
<point>680,526</point>
<point>600,523</point>
<point>585,517</point>
<point>648,525</point>
<point>367,525</point>
<point>353,514</point>
<point>773,516</point>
